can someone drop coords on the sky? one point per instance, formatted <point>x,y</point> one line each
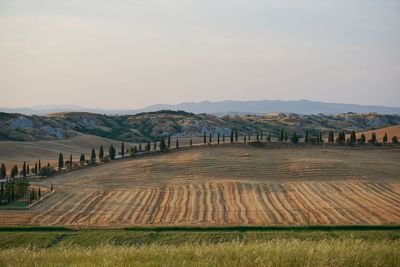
<point>130,54</point>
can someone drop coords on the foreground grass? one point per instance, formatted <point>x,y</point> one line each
<point>230,246</point>
<point>291,252</point>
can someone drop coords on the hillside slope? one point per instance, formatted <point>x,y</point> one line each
<point>152,125</point>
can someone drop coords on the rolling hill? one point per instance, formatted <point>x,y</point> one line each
<point>153,125</point>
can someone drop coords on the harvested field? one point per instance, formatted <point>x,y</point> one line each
<point>232,185</point>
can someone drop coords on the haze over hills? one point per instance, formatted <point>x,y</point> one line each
<point>256,107</point>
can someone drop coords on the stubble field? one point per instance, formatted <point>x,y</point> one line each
<point>227,185</point>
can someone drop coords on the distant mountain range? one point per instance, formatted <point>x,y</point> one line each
<point>230,107</point>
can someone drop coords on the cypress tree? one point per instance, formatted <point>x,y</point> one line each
<point>39,193</point>
<point>295,138</point>
<point>36,168</point>
<point>155,146</point>
<point>177,143</point>
<point>331,137</point>
<point>93,156</point>
<point>3,171</point>
<point>286,136</point>
<point>218,138</point>
<point>373,139</point>
<point>169,141</point>
<point>148,146</point>
<point>307,137</point>
<point>353,138</point>
<point>249,137</point>
<point>60,161</point>
<point>40,165</point>
<point>123,149</point>
<point>231,136</point>
<point>24,169</point>
<point>362,138</point>
<point>205,138</point>
<point>236,135</point>
<point>258,137</point>
<point>385,138</point>
<point>190,142</point>
<point>140,147</point>
<point>27,169</point>
<point>70,161</point>
<point>111,152</point>
<point>15,170</point>
<point>101,153</point>
<point>163,146</point>
<point>261,134</point>
<point>281,136</point>
<point>223,138</point>
<point>82,159</point>
<point>244,138</point>
<point>210,138</point>
<point>320,137</point>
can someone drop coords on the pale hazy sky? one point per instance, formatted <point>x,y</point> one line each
<point>129,54</point>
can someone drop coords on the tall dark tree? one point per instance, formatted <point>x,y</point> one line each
<point>70,161</point>
<point>36,168</point>
<point>307,137</point>
<point>353,137</point>
<point>177,143</point>
<point>27,168</point>
<point>261,134</point>
<point>111,152</point>
<point>60,161</point>
<point>24,169</point>
<point>295,138</point>
<point>14,171</point>
<point>163,146</point>
<point>169,141</point>
<point>82,159</point>
<point>257,137</point>
<point>236,135</point>
<point>244,138</point>
<point>362,139</point>
<point>101,153</point>
<point>155,146</point>
<point>205,138</point>
<point>93,156</point>
<point>123,149</point>
<point>40,165</point>
<point>210,138</point>
<point>385,138</point>
<point>282,135</point>
<point>331,137</point>
<point>232,136</point>
<point>373,138</point>
<point>190,142</point>
<point>218,138</point>
<point>148,146</point>
<point>320,137</point>
<point>223,138</point>
<point>3,171</point>
<point>286,137</point>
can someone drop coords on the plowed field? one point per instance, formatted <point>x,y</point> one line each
<point>227,186</point>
